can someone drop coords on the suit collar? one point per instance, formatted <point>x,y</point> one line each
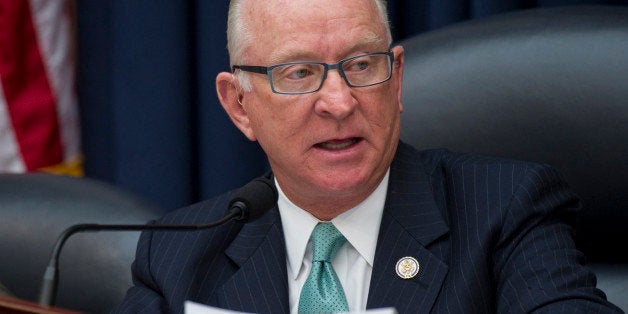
<point>411,224</point>
<point>411,200</point>
<point>254,233</point>
<point>260,284</point>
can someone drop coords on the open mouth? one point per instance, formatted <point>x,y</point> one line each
<point>338,144</point>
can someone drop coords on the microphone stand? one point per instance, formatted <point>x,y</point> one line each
<point>250,202</point>
<point>49,285</point>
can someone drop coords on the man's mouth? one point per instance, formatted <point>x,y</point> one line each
<point>338,144</point>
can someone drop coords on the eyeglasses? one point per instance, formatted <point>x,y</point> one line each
<point>308,77</point>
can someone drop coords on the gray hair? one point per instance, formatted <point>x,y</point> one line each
<point>239,35</point>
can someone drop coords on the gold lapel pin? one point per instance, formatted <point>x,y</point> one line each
<point>407,267</point>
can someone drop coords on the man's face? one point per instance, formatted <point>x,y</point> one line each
<point>333,146</point>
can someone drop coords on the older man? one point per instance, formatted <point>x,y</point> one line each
<point>362,220</point>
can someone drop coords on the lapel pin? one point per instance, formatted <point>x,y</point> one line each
<point>407,267</point>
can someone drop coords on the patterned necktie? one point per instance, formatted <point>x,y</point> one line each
<point>322,291</point>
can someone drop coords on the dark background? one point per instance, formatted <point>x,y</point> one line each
<point>151,121</point>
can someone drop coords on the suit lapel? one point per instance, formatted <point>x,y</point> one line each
<point>411,224</point>
<point>260,285</point>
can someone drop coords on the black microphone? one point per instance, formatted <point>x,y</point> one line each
<point>250,202</point>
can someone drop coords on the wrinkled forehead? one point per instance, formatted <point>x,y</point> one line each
<point>279,28</point>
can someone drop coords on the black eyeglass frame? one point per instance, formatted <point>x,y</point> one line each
<point>336,66</point>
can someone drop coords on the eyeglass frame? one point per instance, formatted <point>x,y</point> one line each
<point>268,70</point>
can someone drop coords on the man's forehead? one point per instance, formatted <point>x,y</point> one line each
<point>368,41</point>
<point>299,30</point>
<point>323,11</point>
<point>278,5</point>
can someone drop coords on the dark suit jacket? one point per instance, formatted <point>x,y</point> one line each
<point>489,234</point>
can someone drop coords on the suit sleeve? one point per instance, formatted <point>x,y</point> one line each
<point>537,266</point>
<point>144,296</point>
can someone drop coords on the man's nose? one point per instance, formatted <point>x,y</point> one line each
<point>335,98</point>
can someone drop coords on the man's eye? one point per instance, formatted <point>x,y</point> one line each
<point>299,74</point>
<point>295,72</point>
<point>362,65</point>
<point>356,66</point>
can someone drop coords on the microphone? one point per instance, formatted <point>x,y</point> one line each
<point>249,203</point>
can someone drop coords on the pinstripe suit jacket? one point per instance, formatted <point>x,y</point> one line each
<point>489,234</point>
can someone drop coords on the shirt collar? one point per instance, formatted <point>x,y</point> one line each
<point>359,225</point>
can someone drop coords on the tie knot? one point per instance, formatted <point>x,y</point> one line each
<point>326,241</point>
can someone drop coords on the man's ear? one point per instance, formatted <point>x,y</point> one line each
<point>398,72</point>
<point>230,96</point>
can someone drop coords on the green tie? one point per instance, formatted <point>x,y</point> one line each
<point>322,291</point>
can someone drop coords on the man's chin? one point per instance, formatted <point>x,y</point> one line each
<point>341,185</point>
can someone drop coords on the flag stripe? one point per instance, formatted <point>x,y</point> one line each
<point>10,158</point>
<point>53,25</point>
<point>30,100</point>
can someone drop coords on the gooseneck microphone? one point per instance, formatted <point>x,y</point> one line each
<point>250,202</point>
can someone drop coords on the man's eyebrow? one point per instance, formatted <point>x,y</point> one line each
<point>368,39</point>
<point>284,55</point>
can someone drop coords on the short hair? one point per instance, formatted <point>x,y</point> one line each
<point>239,35</point>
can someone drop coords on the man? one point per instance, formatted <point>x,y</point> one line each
<point>317,84</point>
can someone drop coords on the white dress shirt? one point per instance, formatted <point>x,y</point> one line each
<point>353,263</point>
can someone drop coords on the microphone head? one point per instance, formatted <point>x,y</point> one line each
<point>254,199</point>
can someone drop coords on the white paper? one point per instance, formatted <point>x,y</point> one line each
<point>197,308</point>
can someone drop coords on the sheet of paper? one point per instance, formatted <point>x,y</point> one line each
<point>196,308</point>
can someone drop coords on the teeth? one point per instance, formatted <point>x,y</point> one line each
<point>338,145</point>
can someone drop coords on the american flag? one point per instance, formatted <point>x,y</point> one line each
<point>39,126</point>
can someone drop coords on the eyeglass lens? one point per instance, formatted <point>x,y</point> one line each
<point>304,77</point>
